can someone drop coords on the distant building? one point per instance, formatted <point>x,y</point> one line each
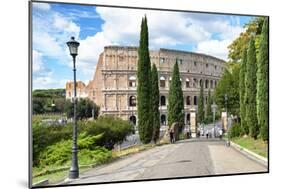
<point>81,90</point>
<point>114,84</point>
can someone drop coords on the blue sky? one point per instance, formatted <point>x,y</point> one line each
<point>96,27</point>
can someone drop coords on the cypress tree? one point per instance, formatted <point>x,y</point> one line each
<point>242,92</point>
<point>144,87</point>
<point>262,82</point>
<point>201,104</point>
<point>250,90</point>
<point>155,103</point>
<point>209,103</point>
<point>175,99</point>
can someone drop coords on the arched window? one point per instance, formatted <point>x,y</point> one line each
<point>132,101</point>
<point>201,82</point>
<point>188,118</point>
<point>162,81</point>
<point>188,100</point>
<point>163,101</point>
<point>132,81</point>
<point>187,83</point>
<point>206,83</point>
<point>211,83</point>
<point>133,119</point>
<point>194,82</point>
<point>163,119</point>
<point>195,100</point>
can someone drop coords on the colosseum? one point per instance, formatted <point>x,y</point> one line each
<point>114,83</point>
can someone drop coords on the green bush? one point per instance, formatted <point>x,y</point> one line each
<point>59,154</point>
<point>47,138</point>
<point>114,130</point>
<point>235,130</point>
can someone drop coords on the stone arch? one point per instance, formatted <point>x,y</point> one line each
<point>163,119</point>
<point>162,100</point>
<point>132,101</point>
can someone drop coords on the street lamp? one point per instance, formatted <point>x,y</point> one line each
<point>225,99</point>
<point>214,106</point>
<point>74,169</point>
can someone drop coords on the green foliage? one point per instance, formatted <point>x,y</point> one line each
<point>250,90</point>
<point>84,109</point>
<point>229,85</point>
<point>144,105</point>
<point>262,82</point>
<point>208,111</point>
<point>44,98</point>
<point>59,154</point>
<point>236,48</point>
<point>113,130</point>
<point>201,104</point>
<point>235,130</point>
<point>176,104</point>
<point>155,103</point>
<point>242,89</point>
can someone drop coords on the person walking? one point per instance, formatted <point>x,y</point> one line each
<point>171,132</point>
<point>220,132</point>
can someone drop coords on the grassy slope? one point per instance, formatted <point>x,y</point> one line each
<point>257,146</point>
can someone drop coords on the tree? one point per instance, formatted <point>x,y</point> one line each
<point>175,99</point>
<point>38,106</point>
<point>144,87</point>
<point>229,85</point>
<point>84,109</point>
<point>236,48</point>
<point>242,73</point>
<point>155,103</point>
<point>208,111</point>
<point>201,104</point>
<point>262,82</point>
<point>250,90</point>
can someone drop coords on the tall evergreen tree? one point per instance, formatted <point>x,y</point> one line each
<point>201,104</point>
<point>250,90</point>
<point>175,99</point>
<point>144,86</point>
<point>208,111</point>
<point>262,82</point>
<point>155,103</point>
<point>242,93</point>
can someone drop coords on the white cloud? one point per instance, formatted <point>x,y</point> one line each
<point>41,6</point>
<point>37,61</point>
<point>89,51</point>
<point>67,26</point>
<point>165,28</point>
<point>217,48</point>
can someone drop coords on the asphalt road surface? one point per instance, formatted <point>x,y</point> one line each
<point>183,159</point>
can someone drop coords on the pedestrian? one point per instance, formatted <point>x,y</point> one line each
<point>207,134</point>
<point>171,132</point>
<point>220,132</point>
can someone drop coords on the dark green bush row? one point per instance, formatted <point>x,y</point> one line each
<point>235,130</point>
<point>112,131</point>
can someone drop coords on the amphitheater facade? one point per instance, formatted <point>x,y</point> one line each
<point>114,83</point>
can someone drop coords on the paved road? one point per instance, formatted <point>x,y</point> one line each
<point>187,158</point>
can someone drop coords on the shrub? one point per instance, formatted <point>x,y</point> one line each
<point>235,130</point>
<point>114,130</point>
<point>60,153</point>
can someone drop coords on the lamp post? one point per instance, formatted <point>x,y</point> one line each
<point>214,106</point>
<point>74,169</point>
<point>225,99</point>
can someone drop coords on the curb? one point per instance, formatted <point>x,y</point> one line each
<point>262,160</point>
<point>41,183</point>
